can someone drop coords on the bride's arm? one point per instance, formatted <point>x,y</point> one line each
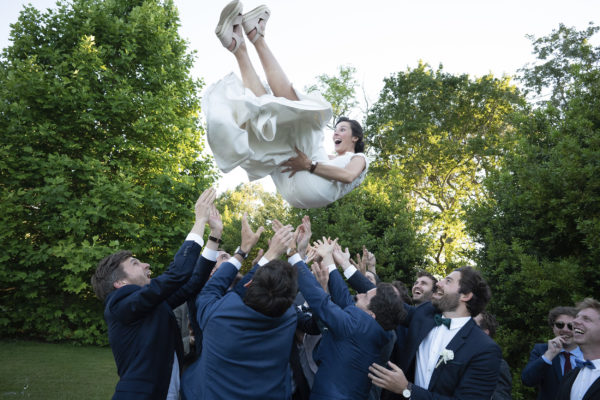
<point>345,175</point>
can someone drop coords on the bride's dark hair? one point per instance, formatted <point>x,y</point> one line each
<point>357,131</point>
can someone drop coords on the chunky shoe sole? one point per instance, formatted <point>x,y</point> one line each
<point>230,16</point>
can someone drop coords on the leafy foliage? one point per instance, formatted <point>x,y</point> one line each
<point>538,230</point>
<point>438,134</point>
<point>100,150</point>
<point>339,91</point>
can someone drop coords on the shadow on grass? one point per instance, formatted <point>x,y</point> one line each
<point>34,370</point>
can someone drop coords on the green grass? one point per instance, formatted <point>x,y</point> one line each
<point>32,370</point>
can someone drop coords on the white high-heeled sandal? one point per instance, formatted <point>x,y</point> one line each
<point>251,20</point>
<point>230,17</point>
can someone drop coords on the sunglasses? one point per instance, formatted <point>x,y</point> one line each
<point>560,325</point>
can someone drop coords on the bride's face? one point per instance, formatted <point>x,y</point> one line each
<point>343,139</point>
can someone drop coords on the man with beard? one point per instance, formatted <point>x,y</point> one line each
<point>549,362</point>
<point>446,354</point>
<point>584,381</point>
<point>423,287</point>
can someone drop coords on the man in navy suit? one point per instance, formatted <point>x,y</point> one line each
<point>248,331</point>
<point>583,383</point>
<point>142,329</point>
<point>446,355</point>
<point>356,331</point>
<point>549,362</point>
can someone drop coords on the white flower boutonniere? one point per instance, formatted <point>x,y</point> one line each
<point>445,356</point>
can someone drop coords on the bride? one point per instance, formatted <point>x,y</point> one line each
<point>273,130</point>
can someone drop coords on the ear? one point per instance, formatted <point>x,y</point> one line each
<point>371,313</point>
<point>248,283</point>
<point>119,284</point>
<point>466,296</point>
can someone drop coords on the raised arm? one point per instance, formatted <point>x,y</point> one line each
<point>345,175</point>
<point>205,262</point>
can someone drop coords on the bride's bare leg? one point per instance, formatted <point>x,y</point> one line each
<point>249,76</point>
<point>277,79</point>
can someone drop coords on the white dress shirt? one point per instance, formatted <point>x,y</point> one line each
<point>431,348</point>
<point>585,378</point>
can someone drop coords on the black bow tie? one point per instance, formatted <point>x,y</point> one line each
<point>585,364</point>
<point>439,320</point>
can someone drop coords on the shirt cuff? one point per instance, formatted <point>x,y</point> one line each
<point>546,360</point>
<point>210,254</point>
<point>295,259</point>
<point>262,261</point>
<point>196,238</point>
<point>348,272</point>
<point>235,263</point>
<point>331,268</point>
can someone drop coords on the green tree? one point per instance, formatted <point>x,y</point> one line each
<point>539,228</point>
<point>100,150</point>
<point>438,134</point>
<point>338,90</point>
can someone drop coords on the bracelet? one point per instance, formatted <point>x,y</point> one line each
<point>214,239</point>
<point>313,165</point>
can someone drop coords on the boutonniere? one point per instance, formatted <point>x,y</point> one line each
<point>445,356</point>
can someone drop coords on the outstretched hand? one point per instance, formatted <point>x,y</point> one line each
<point>341,258</point>
<point>321,272</point>
<point>281,240</point>
<point>249,238</point>
<point>303,234</point>
<point>299,163</point>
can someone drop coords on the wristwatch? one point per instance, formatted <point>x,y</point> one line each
<point>406,392</point>
<point>313,165</point>
<point>241,252</point>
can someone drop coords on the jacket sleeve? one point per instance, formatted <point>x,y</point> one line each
<point>139,303</point>
<point>338,290</point>
<point>193,286</point>
<point>213,291</point>
<point>360,283</point>
<point>533,373</point>
<point>320,302</point>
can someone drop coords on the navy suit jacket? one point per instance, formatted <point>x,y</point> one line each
<point>245,354</point>
<point>537,373</point>
<point>564,390</point>
<point>352,342</point>
<point>472,374</point>
<point>142,329</point>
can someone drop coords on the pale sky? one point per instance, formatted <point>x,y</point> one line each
<point>377,37</point>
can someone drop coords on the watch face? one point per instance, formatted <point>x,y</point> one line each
<point>406,393</point>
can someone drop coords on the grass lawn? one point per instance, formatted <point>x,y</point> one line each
<point>33,370</point>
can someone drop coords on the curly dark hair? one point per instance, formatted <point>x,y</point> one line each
<point>421,273</point>
<point>273,288</point>
<point>471,281</point>
<point>489,322</point>
<point>388,307</point>
<point>109,271</point>
<point>560,310</point>
<point>357,131</point>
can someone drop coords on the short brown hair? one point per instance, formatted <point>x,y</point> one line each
<point>108,272</point>
<point>560,310</point>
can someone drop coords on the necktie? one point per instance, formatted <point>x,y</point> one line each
<point>585,364</point>
<point>567,362</point>
<point>439,320</point>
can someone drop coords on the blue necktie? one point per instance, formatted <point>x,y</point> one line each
<point>439,320</point>
<point>585,364</point>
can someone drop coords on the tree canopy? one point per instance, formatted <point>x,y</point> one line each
<point>101,149</point>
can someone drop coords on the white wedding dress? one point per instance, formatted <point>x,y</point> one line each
<point>260,133</point>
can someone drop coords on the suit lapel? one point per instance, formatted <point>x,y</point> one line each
<point>594,391</point>
<point>556,368</point>
<point>455,344</point>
